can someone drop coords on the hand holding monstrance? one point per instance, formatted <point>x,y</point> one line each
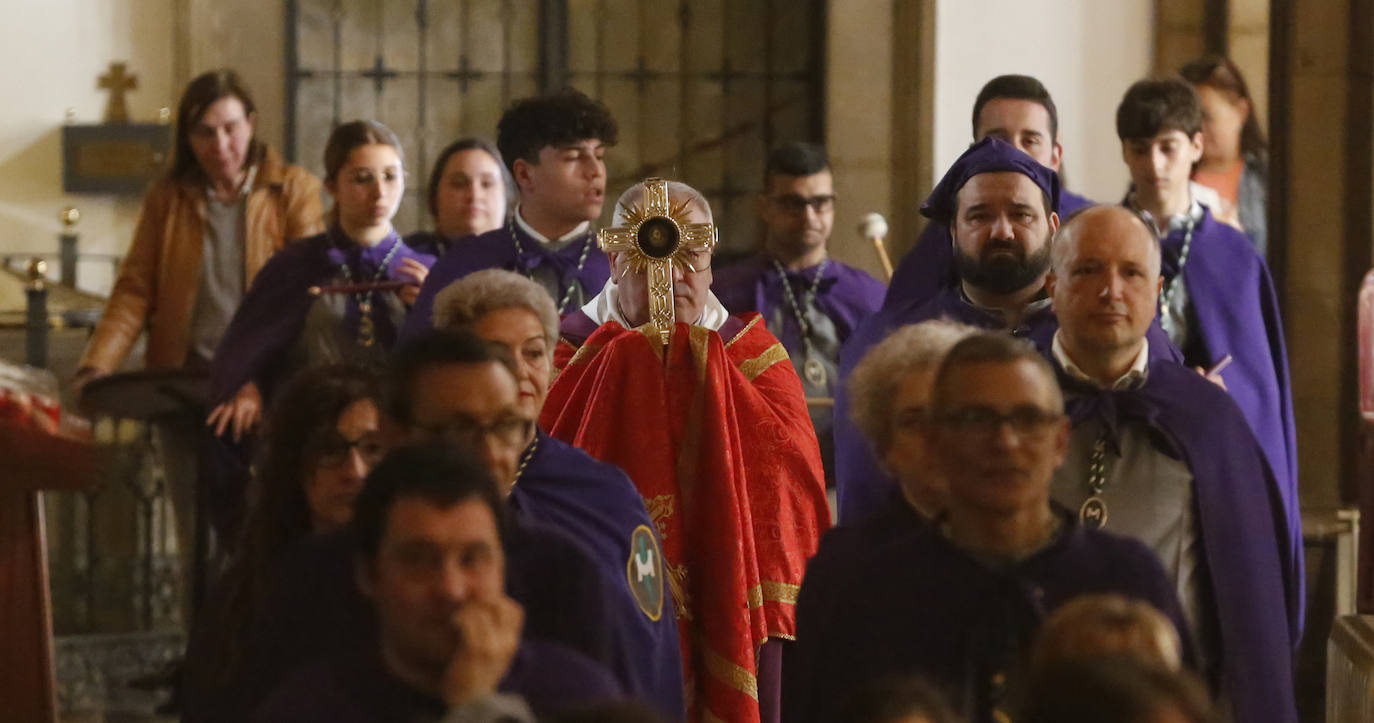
<point>657,236</point>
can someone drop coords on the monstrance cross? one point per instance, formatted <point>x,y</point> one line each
<point>117,82</point>
<point>655,236</point>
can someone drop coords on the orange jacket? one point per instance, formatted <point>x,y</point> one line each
<point>158,282</point>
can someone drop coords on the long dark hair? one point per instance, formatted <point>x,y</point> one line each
<point>1219,72</point>
<point>470,143</point>
<point>353,135</point>
<point>278,511</point>
<point>200,94</point>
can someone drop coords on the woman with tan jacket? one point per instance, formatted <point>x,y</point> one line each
<point>227,203</point>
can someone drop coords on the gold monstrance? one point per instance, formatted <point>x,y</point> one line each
<point>655,236</point>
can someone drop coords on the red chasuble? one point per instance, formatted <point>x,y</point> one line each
<point>716,436</point>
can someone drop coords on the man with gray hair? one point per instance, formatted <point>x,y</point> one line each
<point>958,602</point>
<point>1160,454</point>
<point>705,413</point>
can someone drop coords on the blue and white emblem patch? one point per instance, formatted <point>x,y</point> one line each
<point>644,572</point>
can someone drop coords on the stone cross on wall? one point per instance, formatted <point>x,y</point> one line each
<point>117,82</point>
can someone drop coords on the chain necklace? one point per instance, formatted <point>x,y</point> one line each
<point>812,367</point>
<point>525,458</point>
<point>367,333</point>
<point>520,259</point>
<point>1171,289</point>
<point>1093,512</point>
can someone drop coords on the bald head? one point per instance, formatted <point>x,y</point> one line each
<point>1098,222</point>
<point>679,193</point>
<point>1104,284</point>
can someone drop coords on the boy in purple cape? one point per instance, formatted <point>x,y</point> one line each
<point>958,601</point>
<point>1218,301</point>
<point>430,532</point>
<point>1160,454</point>
<point>555,148</point>
<point>1019,110</point>
<point>822,300</point>
<point>997,203</point>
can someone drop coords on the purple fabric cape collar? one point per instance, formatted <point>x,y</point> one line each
<point>1256,582</point>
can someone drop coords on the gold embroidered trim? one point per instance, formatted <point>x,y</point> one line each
<point>651,335</point>
<point>743,331</point>
<point>752,368</point>
<point>770,591</point>
<point>729,673</point>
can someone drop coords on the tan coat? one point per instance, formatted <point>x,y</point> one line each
<point>160,278</point>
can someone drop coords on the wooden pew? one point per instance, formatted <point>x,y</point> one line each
<point>30,463</point>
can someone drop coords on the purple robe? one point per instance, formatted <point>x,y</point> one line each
<point>846,295</point>
<point>431,242</point>
<point>1236,310</point>
<point>860,483</point>
<point>497,250</point>
<point>1256,581</point>
<point>929,265</point>
<point>596,504</point>
<point>258,345</point>
<point>359,689</point>
<point>919,604</point>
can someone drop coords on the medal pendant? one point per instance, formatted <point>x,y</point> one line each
<point>1093,513</point>
<point>366,332</point>
<point>815,372</point>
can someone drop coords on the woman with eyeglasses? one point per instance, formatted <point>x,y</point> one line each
<point>556,484</point>
<point>322,439</point>
<point>338,296</point>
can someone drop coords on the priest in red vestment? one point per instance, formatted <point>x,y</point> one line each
<point>705,413</point>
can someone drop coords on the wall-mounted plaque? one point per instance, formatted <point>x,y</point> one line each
<point>113,158</point>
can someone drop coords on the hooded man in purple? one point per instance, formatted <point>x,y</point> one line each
<point>958,601</point>
<point>1014,108</point>
<point>1159,453</point>
<point>555,148</point>
<point>1218,301</point>
<point>822,301</point>
<point>996,201</point>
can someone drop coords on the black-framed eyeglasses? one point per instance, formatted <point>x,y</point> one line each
<point>509,430</point>
<point>797,203</point>
<point>335,450</point>
<point>1027,422</point>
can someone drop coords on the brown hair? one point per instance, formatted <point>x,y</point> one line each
<point>200,94</point>
<point>1158,105</point>
<point>352,135</point>
<point>1093,625</point>
<point>1219,72</point>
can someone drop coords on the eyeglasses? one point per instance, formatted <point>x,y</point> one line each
<point>334,450</point>
<point>796,203</point>
<point>1027,422</point>
<point>508,430</point>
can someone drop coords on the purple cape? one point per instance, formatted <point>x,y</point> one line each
<point>929,265</point>
<point>359,689</point>
<point>596,504</point>
<point>272,315</point>
<point>496,250</point>
<point>1237,312</point>
<point>845,294</point>
<point>918,604</point>
<point>432,243</point>
<point>860,483</point>
<point>1255,580</point>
